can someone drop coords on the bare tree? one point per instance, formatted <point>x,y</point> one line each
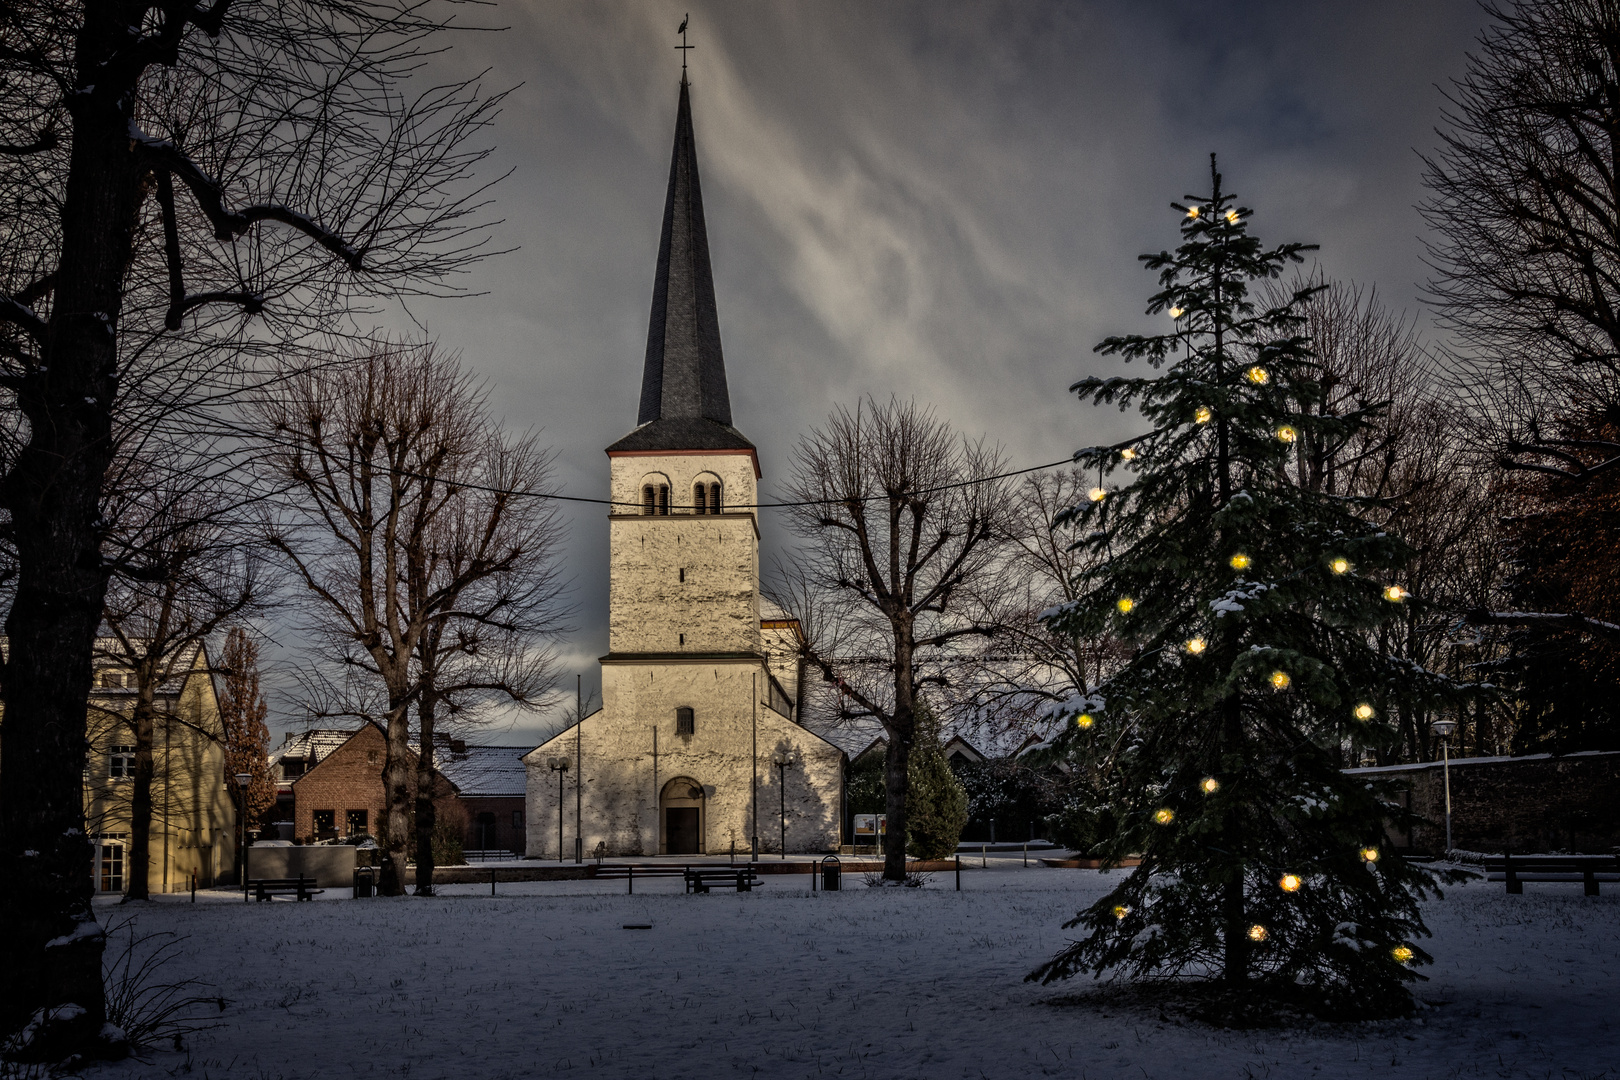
<point>901,518</point>
<point>242,714</point>
<point>238,172</point>
<point>486,570</point>
<point>427,561</point>
<point>1011,680</point>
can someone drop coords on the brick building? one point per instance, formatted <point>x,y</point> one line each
<point>1534,803</point>
<point>490,783</point>
<point>341,793</point>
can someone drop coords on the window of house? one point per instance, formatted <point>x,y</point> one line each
<point>647,499</point>
<point>517,819</point>
<point>292,767</point>
<point>121,762</point>
<point>357,822</point>
<point>325,822</point>
<point>685,724</point>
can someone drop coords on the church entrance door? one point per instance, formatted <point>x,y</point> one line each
<point>680,808</point>
<point>681,828</point>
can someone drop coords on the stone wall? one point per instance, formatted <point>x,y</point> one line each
<point>623,781</point>
<point>1537,803</point>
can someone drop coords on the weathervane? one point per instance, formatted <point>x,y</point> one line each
<point>683,46</point>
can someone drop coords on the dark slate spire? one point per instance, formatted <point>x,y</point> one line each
<point>684,401</point>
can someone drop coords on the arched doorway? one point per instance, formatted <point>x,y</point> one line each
<point>680,818</point>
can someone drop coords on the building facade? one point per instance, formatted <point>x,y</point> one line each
<point>697,748</point>
<point>193,832</point>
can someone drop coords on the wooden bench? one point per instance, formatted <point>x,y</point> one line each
<point>1518,869</point>
<point>630,873</point>
<point>301,887</point>
<point>743,879</point>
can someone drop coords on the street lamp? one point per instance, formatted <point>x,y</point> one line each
<point>559,765</point>
<point>782,761</point>
<point>243,779</point>
<point>1446,729</point>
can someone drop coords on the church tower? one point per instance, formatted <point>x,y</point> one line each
<point>700,693</point>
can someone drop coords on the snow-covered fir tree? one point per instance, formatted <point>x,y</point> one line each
<point>1250,606</point>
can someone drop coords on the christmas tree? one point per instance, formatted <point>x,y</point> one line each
<point>1250,605</point>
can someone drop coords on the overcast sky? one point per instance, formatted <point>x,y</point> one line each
<point>937,200</point>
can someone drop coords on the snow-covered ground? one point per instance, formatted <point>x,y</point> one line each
<point>544,980</point>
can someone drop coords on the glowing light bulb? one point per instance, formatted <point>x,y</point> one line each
<point>1120,911</point>
<point>1129,453</point>
<point>1193,211</point>
<point>1084,721</point>
<point>1195,645</point>
<point>1258,933</point>
<point>1280,680</point>
<point>1395,594</point>
<point>1369,854</point>
<point>1204,414</point>
<point>1364,711</point>
<point>1286,434</point>
<point>1231,217</point>
<point>1239,561</point>
<point>1289,883</point>
<point>1165,816</point>
<point>1341,565</point>
<point>1258,375</point>
<point>1177,312</point>
<point>1402,954</point>
<point>1125,604</point>
<point>1210,785</point>
<point>1098,494</point>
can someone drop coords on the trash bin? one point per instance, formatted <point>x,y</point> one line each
<point>365,882</point>
<point>831,872</point>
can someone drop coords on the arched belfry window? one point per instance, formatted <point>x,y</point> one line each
<point>685,723</point>
<point>663,500</point>
<point>714,498</point>
<point>647,499</point>
<point>700,498</point>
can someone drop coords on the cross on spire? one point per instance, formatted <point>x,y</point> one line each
<point>683,46</point>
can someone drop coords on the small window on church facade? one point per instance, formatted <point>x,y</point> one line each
<point>699,498</point>
<point>684,722</point>
<point>647,500</point>
<point>683,575</point>
<point>663,500</point>
<point>714,498</point>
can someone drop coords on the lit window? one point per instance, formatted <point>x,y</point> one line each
<point>325,823</point>
<point>121,762</point>
<point>685,724</point>
<point>357,822</point>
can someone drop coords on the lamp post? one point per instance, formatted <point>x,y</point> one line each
<point>559,765</point>
<point>579,770</point>
<point>1445,729</point>
<point>243,779</point>
<point>782,761</point>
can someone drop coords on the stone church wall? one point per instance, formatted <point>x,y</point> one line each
<point>622,790</point>
<point>684,584</point>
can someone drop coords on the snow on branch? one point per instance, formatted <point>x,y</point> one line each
<point>1556,620</point>
<point>227,223</point>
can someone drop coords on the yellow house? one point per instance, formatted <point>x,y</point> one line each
<point>193,814</point>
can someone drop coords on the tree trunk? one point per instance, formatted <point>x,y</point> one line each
<point>396,789</point>
<point>1235,961</point>
<point>140,799</point>
<point>902,730</point>
<point>52,493</point>
<point>425,817</point>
